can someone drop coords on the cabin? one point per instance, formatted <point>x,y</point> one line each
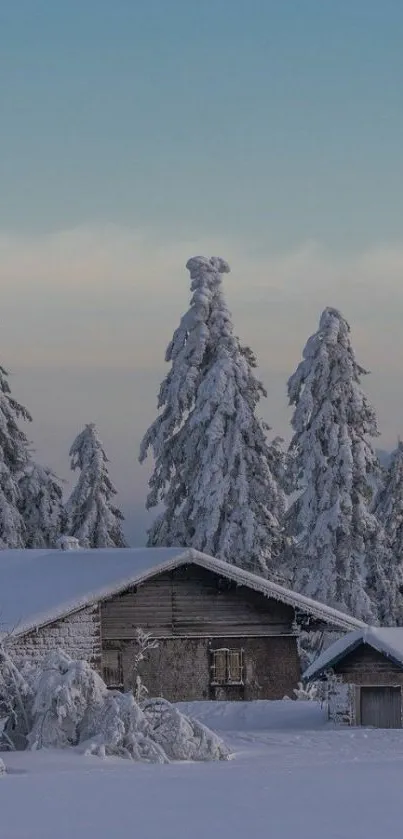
<point>370,662</point>
<point>222,632</point>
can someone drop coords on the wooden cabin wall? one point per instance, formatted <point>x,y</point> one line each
<point>180,668</point>
<point>191,601</point>
<point>193,612</point>
<point>365,666</point>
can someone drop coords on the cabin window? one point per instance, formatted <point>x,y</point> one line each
<point>112,668</point>
<point>227,667</point>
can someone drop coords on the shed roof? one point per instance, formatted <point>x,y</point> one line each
<point>40,587</point>
<point>387,641</point>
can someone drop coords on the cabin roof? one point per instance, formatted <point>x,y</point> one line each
<point>40,587</point>
<point>387,641</point>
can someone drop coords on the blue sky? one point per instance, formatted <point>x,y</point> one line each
<point>274,119</point>
<point>137,133</point>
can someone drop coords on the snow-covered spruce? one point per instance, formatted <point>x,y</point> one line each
<point>14,456</point>
<point>215,472</point>
<point>389,511</point>
<point>93,518</point>
<point>186,353</point>
<point>41,504</point>
<point>341,555</point>
<point>73,707</point>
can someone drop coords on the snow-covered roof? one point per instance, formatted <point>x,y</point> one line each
<point>39,587</point>
<point>388,641</point>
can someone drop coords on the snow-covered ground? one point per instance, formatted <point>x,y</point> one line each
<point>293,776</point>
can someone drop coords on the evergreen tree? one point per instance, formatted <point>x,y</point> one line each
<point>93,518</point>
<point>340,554</point>
<point>214,469</point>
<point>14,455</point>
<point>389,511</point>
<point>41,505</point>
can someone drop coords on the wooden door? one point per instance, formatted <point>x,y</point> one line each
<point>381,707</point>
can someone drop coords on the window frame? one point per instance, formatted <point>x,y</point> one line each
<point>227,679</point>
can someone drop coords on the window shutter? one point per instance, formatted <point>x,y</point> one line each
<point>112,668</point>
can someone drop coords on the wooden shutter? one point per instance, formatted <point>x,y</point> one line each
<point>235,667</point>
<point>219,667</point>
<point>227,667</point>
<point>112,668</point>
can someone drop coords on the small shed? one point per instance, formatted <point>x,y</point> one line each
<point>370,661</point>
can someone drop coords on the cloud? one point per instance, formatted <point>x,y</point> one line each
<point>92,296</point>
<point>86,315</point>
<point>108,298</point>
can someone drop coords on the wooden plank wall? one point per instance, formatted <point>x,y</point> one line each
<point>192,601</point>
<point>365,666</point>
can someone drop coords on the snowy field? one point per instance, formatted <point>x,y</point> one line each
<point>293,776</point>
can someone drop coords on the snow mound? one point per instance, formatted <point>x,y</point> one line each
<point>258,715</point>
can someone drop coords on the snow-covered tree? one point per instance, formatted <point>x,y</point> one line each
<point>214,468</point>
<point>64,703</point>
<point>389,511</point>
<point>15,703</point>
<point>93,518</point>
<point>144,643</point>
<point>41,505</point>
<point>340,555</point>
<point>14,456</point>
<point>188,352</point>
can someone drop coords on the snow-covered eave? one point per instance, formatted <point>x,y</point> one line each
<point>318,669</point>
<point>368,637</point>
<point>239,576</point>
<point>94,597</point>
<point>273,590</point>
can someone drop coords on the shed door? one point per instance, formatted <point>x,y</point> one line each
<point>381,707</point>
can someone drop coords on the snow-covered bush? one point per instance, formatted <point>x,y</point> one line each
<point>119,727</point>
<point>68,543</point>
<point>2,767</point>
<point>16,699</point>
<point>65,703</point>
<point>144,643</point>
<point>181,737</point>
<point>67,692</point>
<point>307,693</point>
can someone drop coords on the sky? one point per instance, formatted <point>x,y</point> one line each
<point>135,135</point>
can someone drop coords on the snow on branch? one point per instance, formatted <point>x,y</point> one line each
<point>65,703</point>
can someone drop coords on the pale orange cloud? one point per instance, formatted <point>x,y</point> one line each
<point>86,315</point>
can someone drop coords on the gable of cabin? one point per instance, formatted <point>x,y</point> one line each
<point>191,600</point>
<point>367,666</point>
<point>216,639</point>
